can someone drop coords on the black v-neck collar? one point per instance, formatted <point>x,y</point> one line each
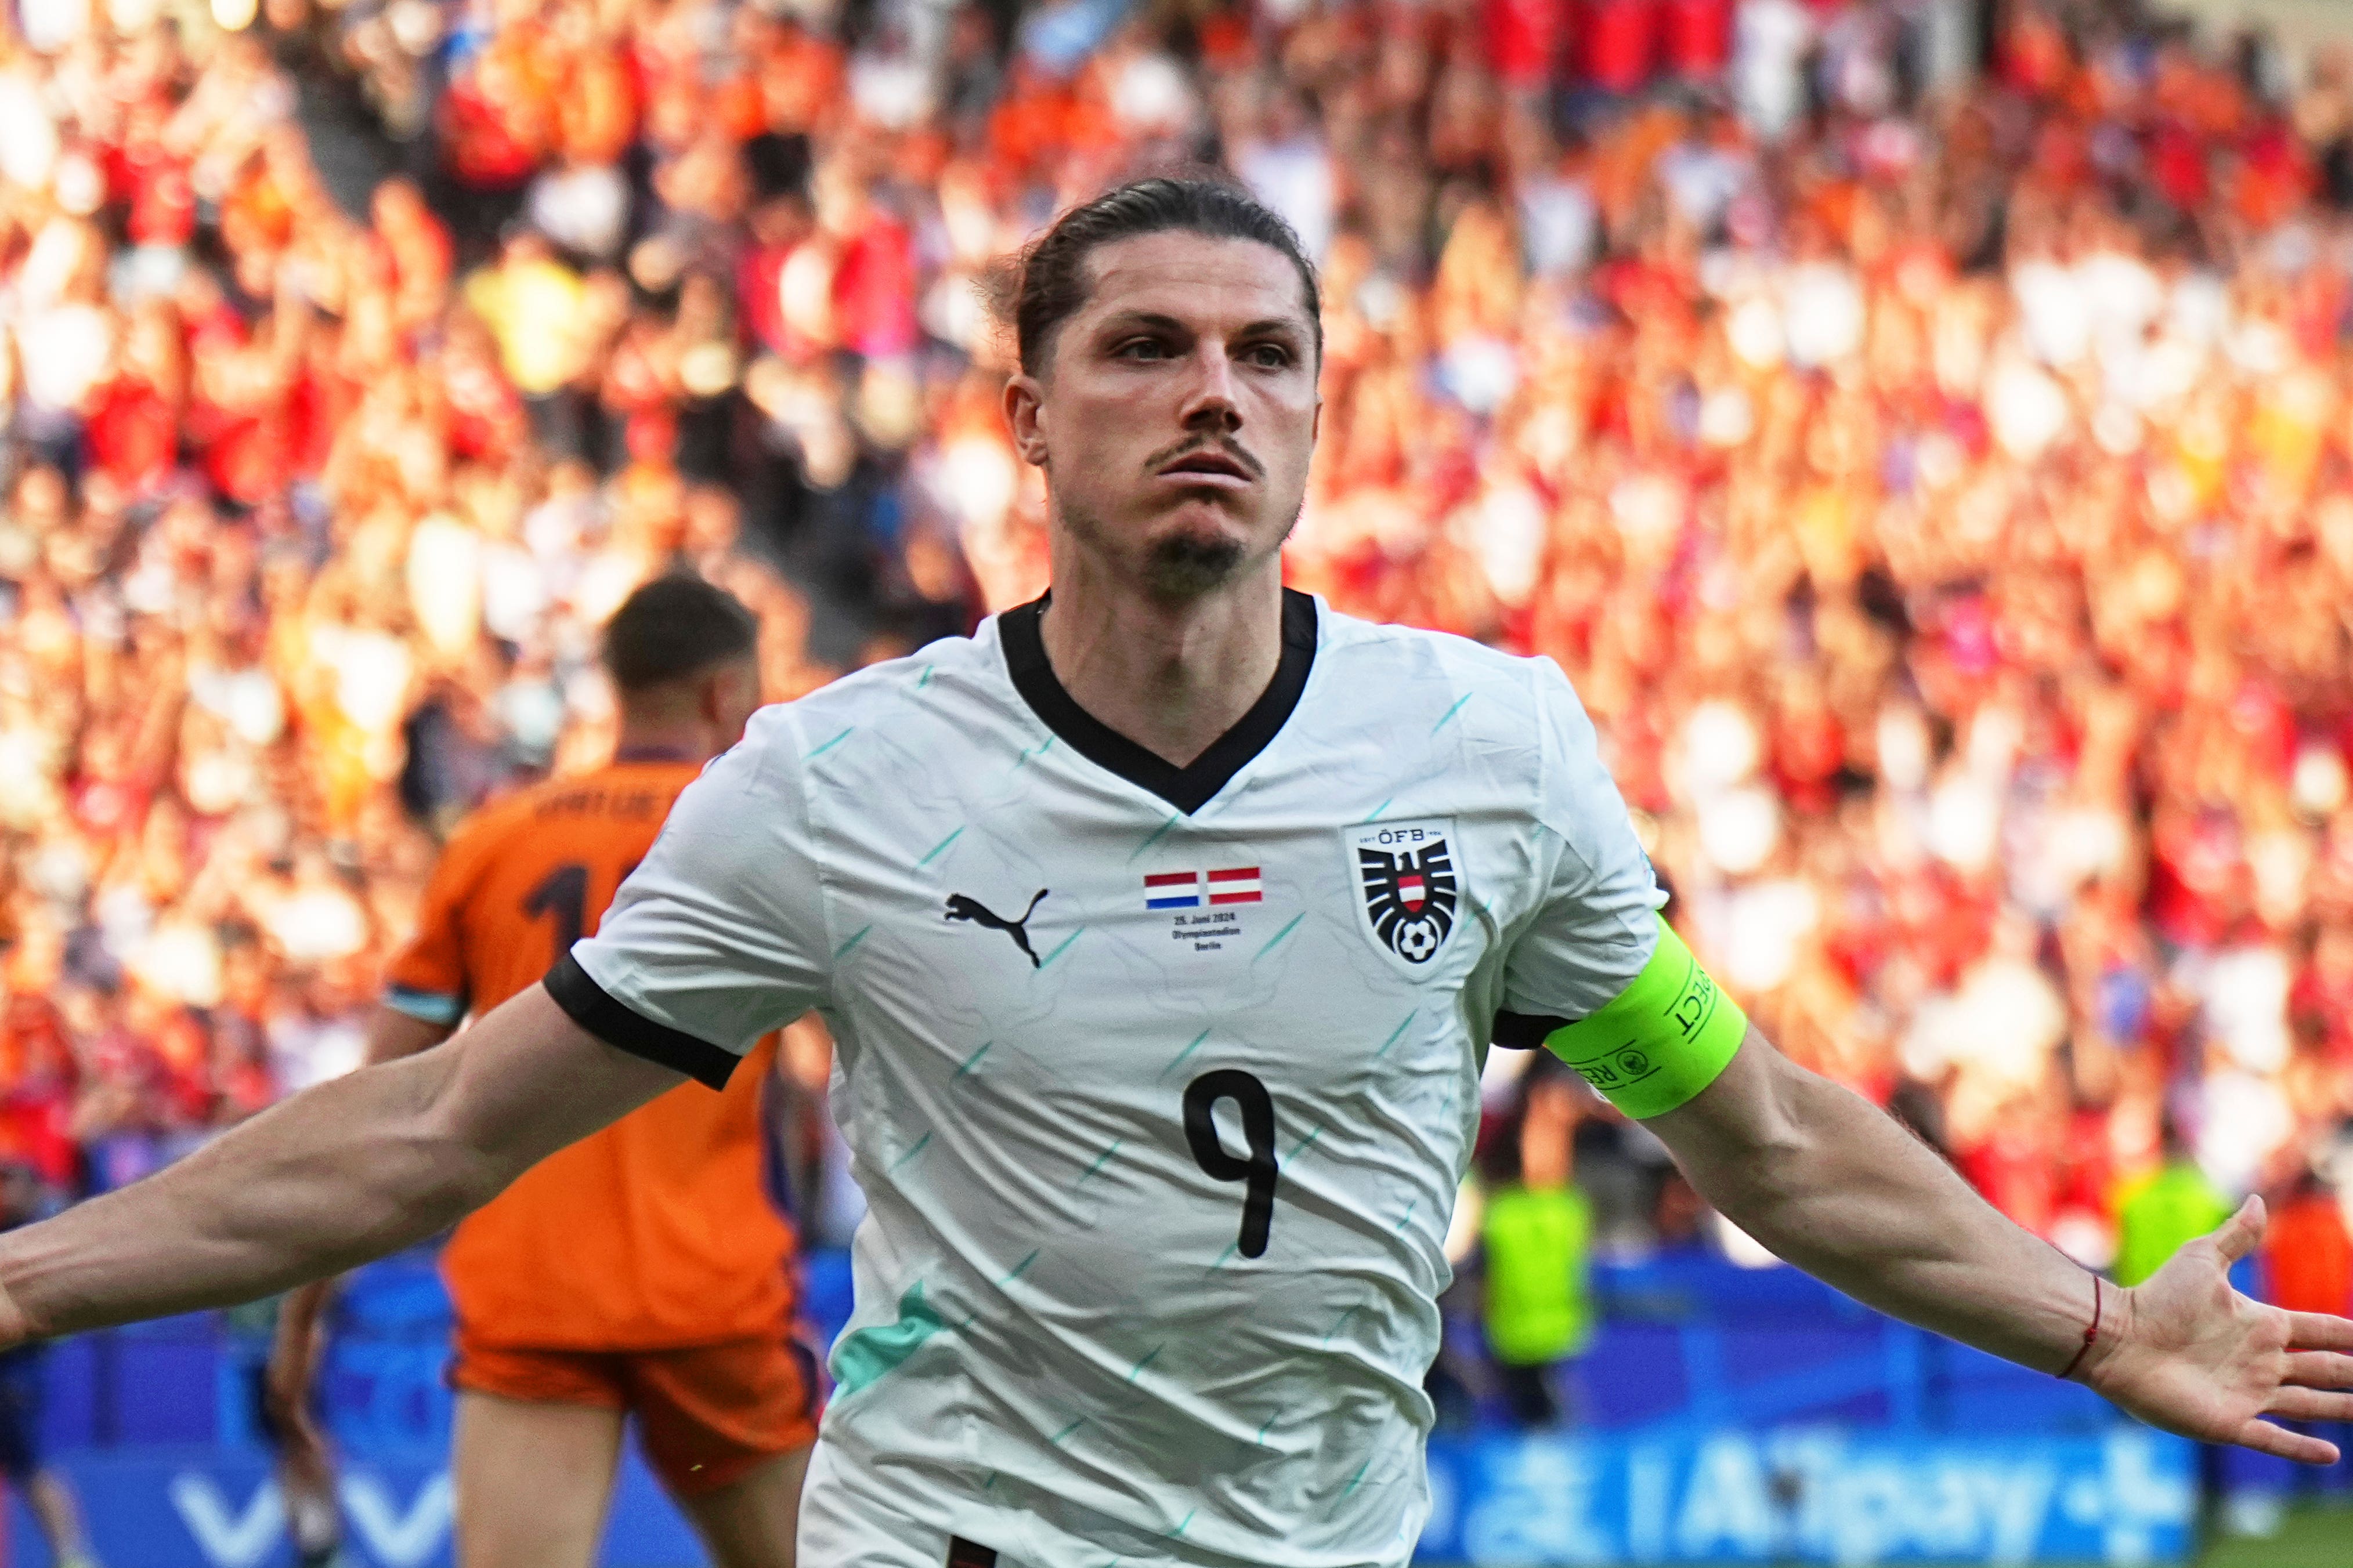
<point>1187,788</point>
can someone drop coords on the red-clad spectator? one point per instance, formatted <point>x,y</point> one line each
<point>1525,39</point>
<point>1618,42</point>
<point>1698,37</point>
<point>874,287</point>
<point>2017,1166</point>
<point>40,1082</point>
<point>151,180</point>
<point>134,431</point>
<point>2322,1002</point>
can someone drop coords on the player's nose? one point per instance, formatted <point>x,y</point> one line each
<point>1210,400</point>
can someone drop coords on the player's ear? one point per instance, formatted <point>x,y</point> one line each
<point>728,696</point>
<point>1025,398</point>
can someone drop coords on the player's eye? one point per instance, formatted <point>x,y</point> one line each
<point>1141,349</point>
<point>1267,356</point>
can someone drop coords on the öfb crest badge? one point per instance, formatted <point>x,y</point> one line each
<point>1407,884</point>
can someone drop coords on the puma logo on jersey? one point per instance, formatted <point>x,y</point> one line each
<point>961,908</point>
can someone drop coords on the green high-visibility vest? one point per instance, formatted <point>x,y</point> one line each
<point>1539,1308</point>
<point>2161,1212</point>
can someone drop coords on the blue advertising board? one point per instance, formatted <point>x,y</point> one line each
<point>1812,1494</point>
<point>209,1508</point>
<point>1818,1495</point>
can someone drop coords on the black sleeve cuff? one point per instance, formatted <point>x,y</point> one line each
<point>1514,1031</point>
<point>612,1021</point>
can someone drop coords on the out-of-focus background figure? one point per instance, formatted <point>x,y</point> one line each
<point>2160,1212</point>
<point>1535,1235</point>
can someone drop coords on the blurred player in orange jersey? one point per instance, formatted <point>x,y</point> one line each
<point>643,1270</point>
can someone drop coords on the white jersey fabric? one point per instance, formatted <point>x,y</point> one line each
<point>1159,1081</point>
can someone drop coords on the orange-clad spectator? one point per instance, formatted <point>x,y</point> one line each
<point>2308,1257</point>
<point>801,76</point>
<point>596,112</point>
<point>1032,120</point>
<point>417,245</point>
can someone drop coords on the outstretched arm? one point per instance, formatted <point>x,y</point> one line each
<point>338,1174</point>
<point>1831,1184</point>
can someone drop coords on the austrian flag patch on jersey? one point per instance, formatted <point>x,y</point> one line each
<point>1236,886</point>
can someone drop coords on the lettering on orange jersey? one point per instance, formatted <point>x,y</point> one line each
<point>639,806</point>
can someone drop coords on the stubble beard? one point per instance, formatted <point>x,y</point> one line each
<point>1180,566</point>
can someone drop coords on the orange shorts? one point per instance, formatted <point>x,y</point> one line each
<point>708,1415</point>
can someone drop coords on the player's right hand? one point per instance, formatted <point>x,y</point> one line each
<point>2191,1355</point>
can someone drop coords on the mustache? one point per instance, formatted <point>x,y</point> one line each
<point>1187,447</point>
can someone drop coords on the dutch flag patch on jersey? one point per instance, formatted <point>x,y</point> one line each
<point>1173,890</point>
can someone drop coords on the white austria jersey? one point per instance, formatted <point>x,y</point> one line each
<point>1159,1081</point>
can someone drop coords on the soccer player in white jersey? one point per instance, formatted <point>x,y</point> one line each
<point>1163,926</point>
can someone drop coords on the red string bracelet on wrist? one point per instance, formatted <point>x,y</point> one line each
<point>2090,1334</point>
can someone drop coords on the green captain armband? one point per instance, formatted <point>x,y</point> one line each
<point>1664,1039</point>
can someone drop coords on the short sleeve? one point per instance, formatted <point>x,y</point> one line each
<point>1594,924</point>
<point>428,981</point>
<point>719,935</point>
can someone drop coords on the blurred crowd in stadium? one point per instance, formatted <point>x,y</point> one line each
<point>1938,482</point>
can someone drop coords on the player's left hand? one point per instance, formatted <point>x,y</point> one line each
<point>2190,1354</point>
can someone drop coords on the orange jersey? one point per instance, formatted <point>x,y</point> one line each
<point>657,1232</point>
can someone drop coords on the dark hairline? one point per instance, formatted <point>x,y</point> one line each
<point>728,628</point>
<point>1086,263</point>
<point>749,655</point>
